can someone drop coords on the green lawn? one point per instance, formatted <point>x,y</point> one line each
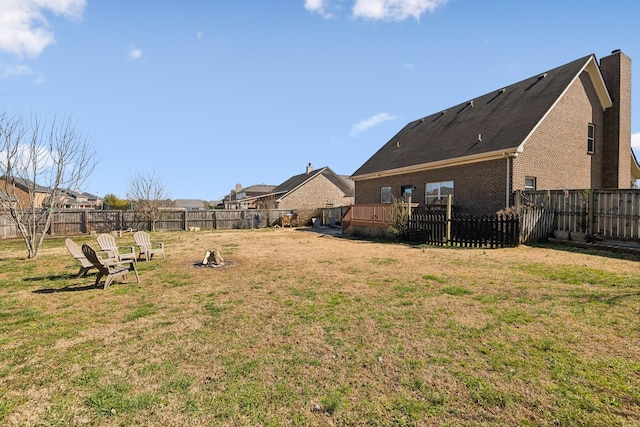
<point>306,329</point>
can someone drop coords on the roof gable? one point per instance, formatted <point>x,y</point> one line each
<point>491,125</point>
<point>297,181</point>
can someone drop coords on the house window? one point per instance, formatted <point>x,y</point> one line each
<point>530,183</point>
<point>407,191</point>
<point>591,139</point>
<point>436,192</point>
<point>385,195</point>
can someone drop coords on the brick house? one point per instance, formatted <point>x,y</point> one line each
<point>24,192</point>
<point>319,188</point>
<point>567,128</point>
<point>310,190</point>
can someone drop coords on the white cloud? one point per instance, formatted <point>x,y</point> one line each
<point>318,6</point>
<point>25,30</point>
<point>635,141</point>
<point>20,70</point>
<point>394,10</point>
<point>377,10</point>
<point>8,71</point>
<point>134,53</point>
<point>367,124</point>
<point>199,35</point>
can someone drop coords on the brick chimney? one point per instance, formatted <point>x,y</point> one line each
<point>616,71</point>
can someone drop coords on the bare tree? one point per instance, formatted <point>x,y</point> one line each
<point>37,161</point>
<point>149,196</point>
<point>264,205</point>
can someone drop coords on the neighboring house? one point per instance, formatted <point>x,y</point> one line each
<point>75,200</point>
<point>245,198</point>
<point>19,190</point>
<point>5,198</point>
<point>68,199</point>
<point>191,204</point>
<point>567,128</point>
<point>313,189</point>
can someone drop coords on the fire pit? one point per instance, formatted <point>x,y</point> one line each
<point>213,259</point>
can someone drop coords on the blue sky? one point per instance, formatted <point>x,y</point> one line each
<point>208,94</point>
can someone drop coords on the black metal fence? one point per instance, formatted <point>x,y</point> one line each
<point>487,231</point>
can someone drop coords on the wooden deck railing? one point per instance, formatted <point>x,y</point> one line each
<point>369,215</point>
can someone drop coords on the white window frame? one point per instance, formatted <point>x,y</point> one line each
<point>385,195</point>
<point>437,187</point>
<point>530,187</point>
<point>591,138</point>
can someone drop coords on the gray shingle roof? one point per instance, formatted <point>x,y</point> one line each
<point>258,188</point>
<point>297,180</point>
<point>504,118</point>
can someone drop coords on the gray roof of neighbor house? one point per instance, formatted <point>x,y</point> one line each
<point>498,121</point>
<point>297,180</point>
<point>258,188</point>
<point>26,184</point>
<point>189,203</point>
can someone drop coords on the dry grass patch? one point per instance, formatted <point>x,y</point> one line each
<point>308,329</point>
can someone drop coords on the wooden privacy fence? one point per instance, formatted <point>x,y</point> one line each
<point>615,213</point>
<point>536,224</point>
<point>81,221</point>
<point>7,229</point>
<point>611,214</point>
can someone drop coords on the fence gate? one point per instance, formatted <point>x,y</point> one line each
<point>536,224</point>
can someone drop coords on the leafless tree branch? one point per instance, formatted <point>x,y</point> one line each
<point>37,161</point>
<point>149,196</point>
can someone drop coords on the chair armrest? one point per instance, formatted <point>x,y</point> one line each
<point>123,263</point>
<point>106,258</point>
<point>127,249</point>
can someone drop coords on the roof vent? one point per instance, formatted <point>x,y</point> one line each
<point>479,137</point>
<point>540,77</point>
<point>467,105</point>
<point>500,92</point>
<point>417,123</point>
<point>442,113</point>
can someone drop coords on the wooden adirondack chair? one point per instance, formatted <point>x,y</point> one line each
<point>76,252</point>
<point>108,269</point>
<point>120,253</point>
<point>147,248</point>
